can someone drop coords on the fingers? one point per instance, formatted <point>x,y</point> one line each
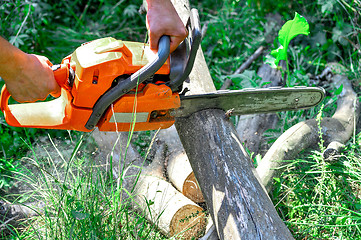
<point>162,19</point>
<point>176,40</point>
<point>34,81</point>
<point>153,41</point>
<point>53,87</point>
<point>43,59</point>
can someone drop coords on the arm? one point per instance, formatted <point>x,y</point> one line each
<point>162,19</point>
<point>28,77</point>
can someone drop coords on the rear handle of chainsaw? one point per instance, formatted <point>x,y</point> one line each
<point>62,74</point>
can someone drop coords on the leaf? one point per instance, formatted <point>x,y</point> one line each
<point>289,30</point>
<point>341,220</point>
<point>247,79</point>
<point>327,5</point>
<point>338,91</point>
<point>270,60</point>
<point>277,180</point>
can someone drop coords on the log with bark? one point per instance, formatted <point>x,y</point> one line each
<point>173,213</point>
<point>178,168</point>
<point>336,131</point>
<point>12,216</point>
<point>238,204</point>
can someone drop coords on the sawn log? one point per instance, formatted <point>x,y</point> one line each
<point>238,203</point>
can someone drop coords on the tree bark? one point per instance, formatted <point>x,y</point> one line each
<point>179,170</point>
<point>239,205</point>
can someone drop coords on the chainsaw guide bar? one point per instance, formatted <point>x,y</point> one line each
<point>252,101</point>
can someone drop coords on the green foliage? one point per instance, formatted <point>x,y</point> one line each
<point>6,168</point>
<point>320,200</point>
<point>55,29</point>
<point>316,199</point>
<point>320,134</point>
<point>142,142</point>
<point>289,30</point>
<point>247,79</point>
<point>234,32</point>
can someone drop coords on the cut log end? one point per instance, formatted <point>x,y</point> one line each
<point>332,151</point>
<point>188,222</point>
<point>192,190</point>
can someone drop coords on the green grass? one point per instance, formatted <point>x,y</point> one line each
<point>316,199</point>
<point>321,200</point>
<point>81,199</point>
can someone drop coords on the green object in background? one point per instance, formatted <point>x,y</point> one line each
<point>289,30</point>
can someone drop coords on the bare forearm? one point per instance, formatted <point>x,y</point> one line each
<point>11,60</point>
<point>28,77</point>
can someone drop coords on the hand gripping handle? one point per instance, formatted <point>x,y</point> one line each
<point>61,75</point>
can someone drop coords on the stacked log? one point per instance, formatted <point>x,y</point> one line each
<point>153,196</point>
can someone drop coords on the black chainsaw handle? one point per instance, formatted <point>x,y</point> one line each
<point>130,83</point>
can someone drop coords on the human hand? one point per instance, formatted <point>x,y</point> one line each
<point>31,79</point>
<point>162,19</point>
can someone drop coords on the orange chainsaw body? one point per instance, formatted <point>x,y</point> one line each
<point>97,65</point>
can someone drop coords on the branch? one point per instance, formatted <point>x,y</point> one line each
<point>336,131</point>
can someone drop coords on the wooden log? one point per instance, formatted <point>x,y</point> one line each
<point>13,215</point>
<point>239,205</point>
<point>180,173</point>
<point>173,213</point>
<point>332,151</point>
<point>336,130</point>
<point>179,170</point>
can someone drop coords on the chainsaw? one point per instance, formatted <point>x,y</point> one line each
<point>119,85</point>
